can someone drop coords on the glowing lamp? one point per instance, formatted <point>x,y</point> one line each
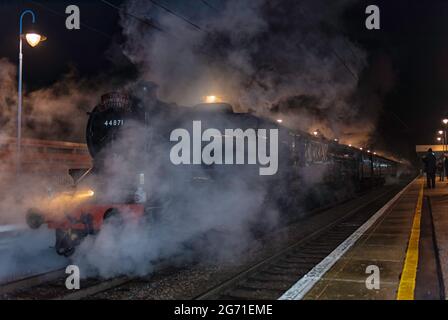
<point>34,39</point>
<point>212,99</point>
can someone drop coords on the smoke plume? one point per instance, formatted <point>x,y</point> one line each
<point>281,59</point>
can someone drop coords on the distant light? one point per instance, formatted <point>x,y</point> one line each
<point>368,151</point>
<point>279,120</point>
<point>439,139</point>
<point>445,121</point>
<point>374,153</point>
<point>315,133</point>
<point>349,145</point>
<point>34,39</point>
<point>440,132</point>
<point>360,148</point>
<point>212,99</point>
<point>336,140</point>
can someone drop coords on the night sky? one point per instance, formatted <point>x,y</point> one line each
<point>407,58</point>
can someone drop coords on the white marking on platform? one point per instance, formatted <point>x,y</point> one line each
<point>308,281</point>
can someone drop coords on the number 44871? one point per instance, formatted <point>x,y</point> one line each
<point>109,123</point>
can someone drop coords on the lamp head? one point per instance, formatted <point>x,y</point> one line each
<point>34,38</point>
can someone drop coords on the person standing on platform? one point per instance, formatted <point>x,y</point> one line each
<point>441,168</point>
<point>446,166</point>
<point>430,162</point>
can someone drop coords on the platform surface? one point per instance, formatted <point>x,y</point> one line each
<point>388,246</point>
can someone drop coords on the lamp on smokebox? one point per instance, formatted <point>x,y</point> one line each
<point>33,38</point>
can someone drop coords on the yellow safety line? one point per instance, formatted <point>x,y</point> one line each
<point>409,273</point>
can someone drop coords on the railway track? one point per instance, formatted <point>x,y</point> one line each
<point>30,281</point>
<point>271,277</point>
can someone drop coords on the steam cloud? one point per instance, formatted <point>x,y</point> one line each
<point>276,58</point>
<point>281,59</point>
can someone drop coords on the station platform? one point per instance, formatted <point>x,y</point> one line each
<point>402,255</point>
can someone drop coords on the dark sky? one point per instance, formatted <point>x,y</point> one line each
<point>411,52</point>
<point>407,58</point>
<point>83,49</point>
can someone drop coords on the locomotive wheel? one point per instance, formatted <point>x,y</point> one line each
<point>34,218</point>
<point>64,246</point>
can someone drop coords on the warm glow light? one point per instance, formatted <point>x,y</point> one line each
<point>374,153</point>
<point>349,145</point>
<point>279,120</point>
<point>440,132</point>
<point>62,202</point>
<point>445,121</point>
<point>336,140</point>
<point>360,148</point>
<point>212,99</point>
<point>439,139</point>
<point>315,133</point>
<point>34,39</point>
<point>84,194</point>
<point>368,151</point>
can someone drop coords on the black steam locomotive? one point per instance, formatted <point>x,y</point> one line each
<point>147,154</point>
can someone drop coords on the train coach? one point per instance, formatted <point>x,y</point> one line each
<point>131,141</point>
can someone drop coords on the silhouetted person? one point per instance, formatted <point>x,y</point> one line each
<point>446,166</point>
<point>430,162</point>
<point>441,169</point>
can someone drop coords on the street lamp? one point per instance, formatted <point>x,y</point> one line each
<point>445,122</point>
<point>33,39</point>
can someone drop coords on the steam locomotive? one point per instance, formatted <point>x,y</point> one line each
<point>132,140</point>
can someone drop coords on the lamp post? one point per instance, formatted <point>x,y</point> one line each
<point>441,139</point>
<point>33,39</point>
<point>445,122</point>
